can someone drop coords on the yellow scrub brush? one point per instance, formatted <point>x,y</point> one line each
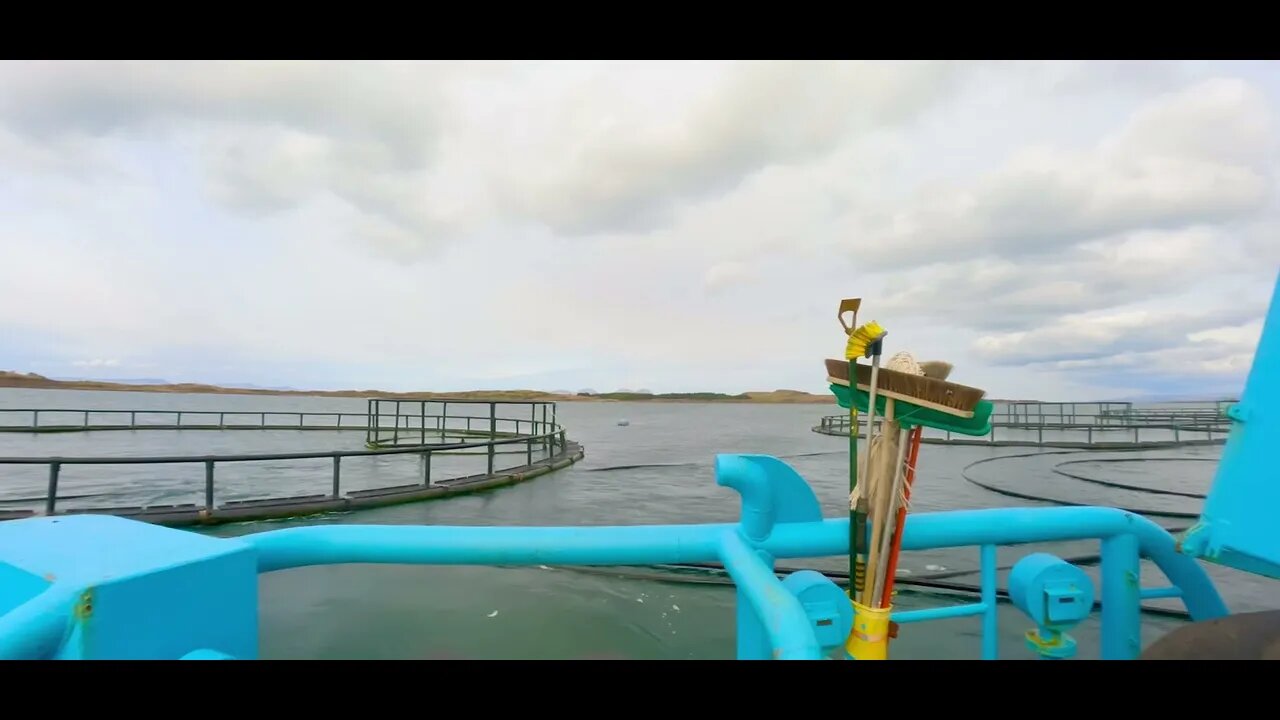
<point>861,340</point>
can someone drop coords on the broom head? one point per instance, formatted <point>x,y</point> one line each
<point>923,390</point>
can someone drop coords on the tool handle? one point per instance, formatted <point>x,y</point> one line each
<point>901,523</point>
<point>849,305</point>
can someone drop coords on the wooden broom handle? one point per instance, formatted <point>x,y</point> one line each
<point>902,516</point>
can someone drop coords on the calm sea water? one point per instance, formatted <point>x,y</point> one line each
<point>658,469</point>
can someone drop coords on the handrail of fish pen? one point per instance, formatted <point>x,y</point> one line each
<point>374,434</point>
<point>364,420</point>
<point>1194,428</point>
<point>554,440</point>
<point>35,425</point>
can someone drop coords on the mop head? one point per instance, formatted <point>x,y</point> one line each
<point>884,451</point>
<point>905,362</point>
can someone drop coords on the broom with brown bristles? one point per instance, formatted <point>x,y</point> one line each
<point>923,390</point>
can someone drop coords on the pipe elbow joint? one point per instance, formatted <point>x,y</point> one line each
<point>751,482</point>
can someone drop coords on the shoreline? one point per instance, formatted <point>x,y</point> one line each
<point>31,381</point>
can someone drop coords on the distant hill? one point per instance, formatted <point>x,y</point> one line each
<point>1170,398</point>
<point>125,381</point>
<point>32,380</point>
<point>772,396</point>
<point>250,386</point>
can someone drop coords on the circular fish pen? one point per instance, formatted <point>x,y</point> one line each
<point>414,449</point>
<point>1098,425</point>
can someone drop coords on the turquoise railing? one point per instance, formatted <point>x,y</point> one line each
<point>780,518</point>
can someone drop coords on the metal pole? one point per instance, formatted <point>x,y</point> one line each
<point>52,497</point>
<point>493,432</point>
<point>208,485</point>
<point>337,471</point>
<point>426,468</point>
<point>990,627</point>
<point>1121,622</point>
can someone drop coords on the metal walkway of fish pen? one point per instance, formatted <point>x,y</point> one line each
<point>402,438</point>
<point>1097,425</point>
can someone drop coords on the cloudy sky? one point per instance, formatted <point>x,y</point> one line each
<point>1056,230</point>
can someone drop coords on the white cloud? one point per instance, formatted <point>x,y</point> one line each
<point>97,363</point>
<point>1053,228</point>
<point>727,274</point>
<point>1100,335</point>
<point>1241,337</point>
<point>1203,154</point>
<point>998,292</point>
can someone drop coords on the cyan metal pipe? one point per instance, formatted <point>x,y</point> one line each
<point>37,628</point>
<point>990,621</point>
<point>752,483</point>
<point>654,544</point>
<point>1121,612</point>
<point>1009,526</point>
<point>452,545</point>
<point>939,613</point>
<point>784,619</point>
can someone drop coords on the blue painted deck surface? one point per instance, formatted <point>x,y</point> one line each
<point>103,587</point>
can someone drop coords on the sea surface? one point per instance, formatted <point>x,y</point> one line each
<point>658,468</point>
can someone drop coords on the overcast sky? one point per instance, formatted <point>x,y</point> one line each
<point>1056,230</point>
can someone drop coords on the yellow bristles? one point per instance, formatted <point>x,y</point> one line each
<point>862,338</point>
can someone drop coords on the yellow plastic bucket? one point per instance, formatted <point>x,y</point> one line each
<point>870,637</point>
